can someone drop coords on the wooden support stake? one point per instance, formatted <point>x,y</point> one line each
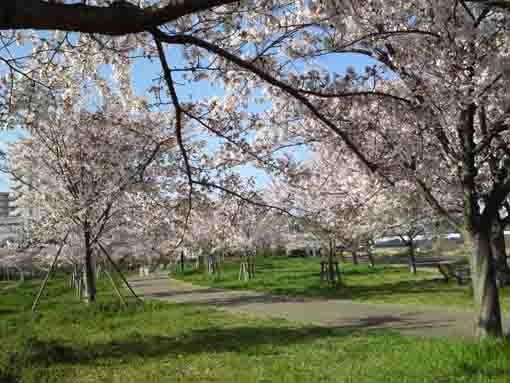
<point>38,297</point>
<point>119,272</point>
<point>115,286</point>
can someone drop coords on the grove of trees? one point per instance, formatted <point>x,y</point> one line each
<point>426,114</point>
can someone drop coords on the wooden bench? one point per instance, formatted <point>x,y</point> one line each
<point>458,271</point>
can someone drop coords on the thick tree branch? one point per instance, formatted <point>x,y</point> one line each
<point>117,19</point>
<point>501,4</point>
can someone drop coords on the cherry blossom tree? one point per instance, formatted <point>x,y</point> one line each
<point>223,224</point>
<point>407,215</point>
<point>153,223</point>
<point>209,232</point>
<point>432,107</point>
<point>447,65</point>
<point>78,169</point>
<point>271,232</point>
<point>334,201</point>
<point>439,74</point>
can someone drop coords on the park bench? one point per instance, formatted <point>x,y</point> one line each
<point>458,271</point>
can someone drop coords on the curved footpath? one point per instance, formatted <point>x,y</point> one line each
<point>406,319</point>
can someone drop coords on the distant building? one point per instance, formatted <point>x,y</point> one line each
<point>6,204</point>
<point>10,227</point>
<point>9,224</point>
<point>19,187</point>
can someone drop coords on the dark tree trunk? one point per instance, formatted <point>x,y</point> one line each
<point>182,261</point>
<point>412,258</point>
<point>251,266</point>
<point>355,257</point>
<point>201,262</point>
<point>485,290</point>
<point>370,257</point>
<point>330,260</point>
<point>479,228</point>
<point>210,266</point>
<point>89,274</point>
<point>498,248</point>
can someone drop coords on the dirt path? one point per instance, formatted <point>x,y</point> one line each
<point>408,320</point>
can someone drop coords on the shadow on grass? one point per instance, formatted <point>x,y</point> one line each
<point>488,373</point>
<point>219,297</point>
<point>243,340</point>
<point>431,286</point>
<point>306,284</point>
<point>384,290</point>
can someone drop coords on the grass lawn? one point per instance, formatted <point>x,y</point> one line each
<point>69,342</point>
<point>7,284</point>
<point>381,284</point>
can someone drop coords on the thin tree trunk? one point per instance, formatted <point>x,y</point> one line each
<point>89,274</point>
<point>331,259</point>
<point>485,290</point>
<point>370,257</point>
<point>201,263</point>
<point>89,278</point>
<point>355,257</point>
<point>75,276</point>
<point>210,265</point>
<point>251,266</point>
<point>98,268</point>
<point>412,258</point>
<point>79,290</point>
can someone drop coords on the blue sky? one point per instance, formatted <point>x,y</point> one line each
<point>145,71</point>
<point>5,138</point>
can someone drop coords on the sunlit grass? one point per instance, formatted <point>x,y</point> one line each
<point>70,342</point>
<point>362,283</point>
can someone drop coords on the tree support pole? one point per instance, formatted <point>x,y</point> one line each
<point>119,272</point>
<point>115,287</point>
<point>47,277</point>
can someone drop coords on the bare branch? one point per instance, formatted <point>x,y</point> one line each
<point>185,39</point>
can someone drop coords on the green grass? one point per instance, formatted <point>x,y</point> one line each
<point>8,284</point>
<point>381,284</point>
<point>450,249</point>
<point>69,342</point>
